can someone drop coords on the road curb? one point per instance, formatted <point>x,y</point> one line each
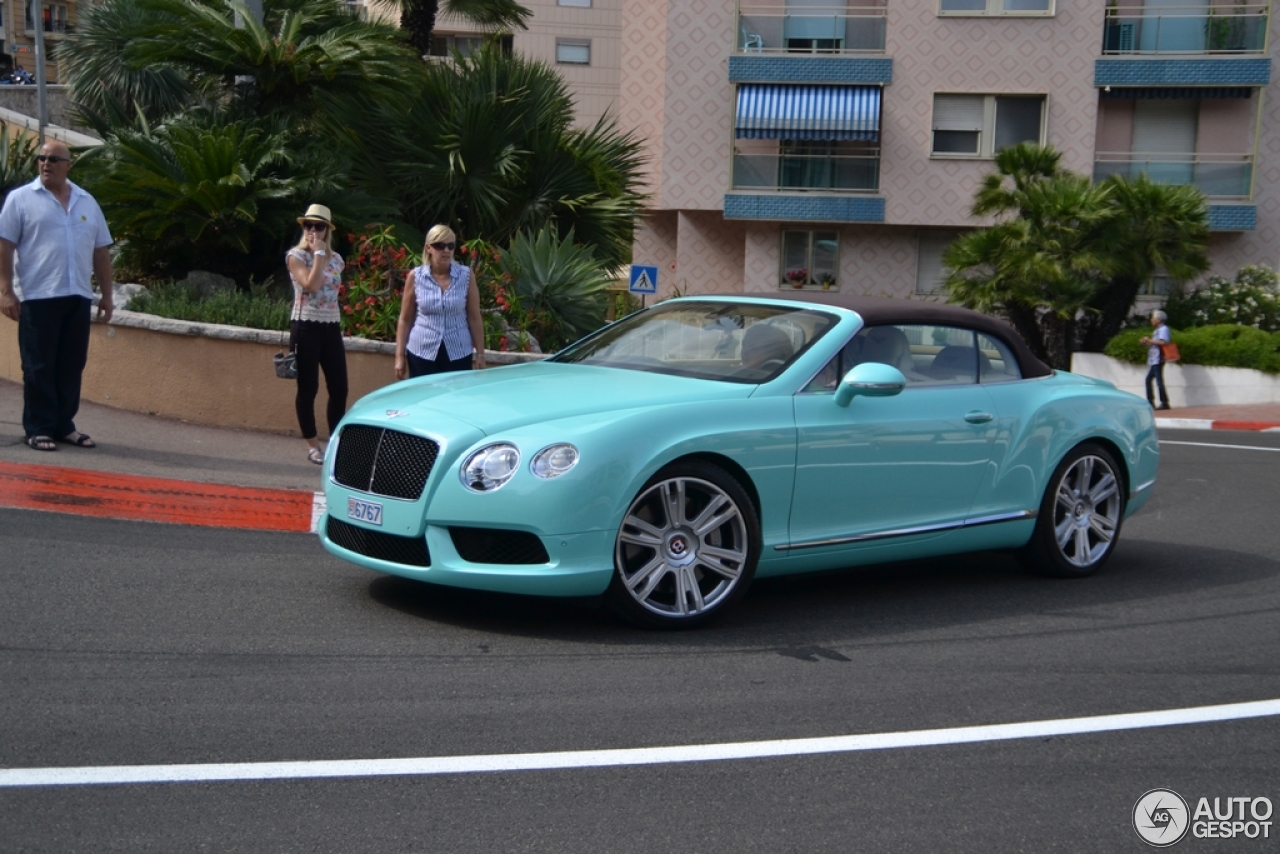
<point>1216,424</point>
<point>150,499</point>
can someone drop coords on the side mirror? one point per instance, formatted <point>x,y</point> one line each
<point>870,379</point>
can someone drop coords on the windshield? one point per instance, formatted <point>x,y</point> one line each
<point>736,342</point>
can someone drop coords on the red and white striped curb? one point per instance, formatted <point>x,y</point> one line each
<point>1217,424</point>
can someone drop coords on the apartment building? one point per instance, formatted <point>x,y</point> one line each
<point>846,138</point>
<point>18,33</point>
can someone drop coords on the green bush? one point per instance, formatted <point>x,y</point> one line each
<point>1253,299</point>
<point>1223,345</point>
<point>180,301</point>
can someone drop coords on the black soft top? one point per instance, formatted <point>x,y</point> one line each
<point>882,311</point>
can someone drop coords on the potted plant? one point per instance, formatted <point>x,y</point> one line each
<point>827,281</point>
<point>797,277</point>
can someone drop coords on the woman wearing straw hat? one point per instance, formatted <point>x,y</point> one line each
<point>440,327</point>
<point>316,328</point>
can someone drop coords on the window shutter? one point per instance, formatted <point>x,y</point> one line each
<point>958,112</point>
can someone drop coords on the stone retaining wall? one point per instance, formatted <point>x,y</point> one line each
<point>207,373</point>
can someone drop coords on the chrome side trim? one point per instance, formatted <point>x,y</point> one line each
<point>1133,493</point>
<point>906,532</point>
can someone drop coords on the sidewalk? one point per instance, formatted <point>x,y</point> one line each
<point>158,469</point>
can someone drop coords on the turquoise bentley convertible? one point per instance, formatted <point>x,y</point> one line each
<point>670,458</point>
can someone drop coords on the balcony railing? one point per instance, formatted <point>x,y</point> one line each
<point>810,29</point>
<point>1215,175</point>
<point>799,172</point>
<point>1223,29</point>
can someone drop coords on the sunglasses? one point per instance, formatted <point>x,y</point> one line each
<point>52,158</point>
<point>440,247</point>
<point>314,226</point>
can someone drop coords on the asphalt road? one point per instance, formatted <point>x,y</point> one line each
<point>140,644</point>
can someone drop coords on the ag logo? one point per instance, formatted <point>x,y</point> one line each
<point>1161,818</point>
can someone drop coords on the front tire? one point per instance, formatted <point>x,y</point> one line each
<point>686,550</point>
<point>1080,515</point>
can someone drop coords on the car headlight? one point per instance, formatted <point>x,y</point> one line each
<point>554,460</point>
<point>490,467</point>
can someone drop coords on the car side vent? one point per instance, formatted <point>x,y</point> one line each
<point>494,545</point>
<point>384,462</point>
<point>410,551</point>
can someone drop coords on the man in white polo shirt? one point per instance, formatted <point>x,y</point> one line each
<point>60,239</point>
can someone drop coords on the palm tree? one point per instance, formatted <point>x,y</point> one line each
<point>155,58</point>
<point>1040,265</point>
<point>486,144</point>
<point>1159,227</point>
<point>106,91</point>
<point>201,192</point>
<point>418,17</point>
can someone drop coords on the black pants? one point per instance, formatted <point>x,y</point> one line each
<point>319,345</point>
<point>53,339</point>
<point>420,367</point>
<point>1156,373</point>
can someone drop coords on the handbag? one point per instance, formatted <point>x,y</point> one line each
<point>286,364</point>
<point>1169,352</point>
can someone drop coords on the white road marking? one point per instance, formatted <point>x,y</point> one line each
<point>317,510</point>
<point>96,776</point>
<point>1212,445</point>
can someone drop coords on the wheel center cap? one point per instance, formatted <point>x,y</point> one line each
<point>680,549</point>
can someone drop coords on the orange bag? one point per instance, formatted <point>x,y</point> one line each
<point>1170,352</point>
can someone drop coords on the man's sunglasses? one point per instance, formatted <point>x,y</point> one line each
<point>52,158</point>
<point>440,247</point>
<point>314,226</point>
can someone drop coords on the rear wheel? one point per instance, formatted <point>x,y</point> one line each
<point>686,550</point>
<point>1080,515</point>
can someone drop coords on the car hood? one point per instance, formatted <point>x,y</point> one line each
<point>497,399</point>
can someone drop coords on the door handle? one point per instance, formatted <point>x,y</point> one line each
<point>978,417</point>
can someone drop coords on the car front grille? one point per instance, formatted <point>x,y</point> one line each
<point>384,462</point>
<point>493,545</point>
<point>411,551</point>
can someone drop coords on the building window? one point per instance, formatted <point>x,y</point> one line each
<point>995,7</point>
<point>981,125</point>
<point>54,16</point>
<point>573,51</point>
<point>810,259</point>
<point>930,272</point>
<point>583,4</point>
<point>465,44</point>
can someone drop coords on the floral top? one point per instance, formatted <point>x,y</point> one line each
<point>321,306</point>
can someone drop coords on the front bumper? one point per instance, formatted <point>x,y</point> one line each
<point>577,564</point>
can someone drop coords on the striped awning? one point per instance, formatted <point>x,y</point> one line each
<point>787,111</point>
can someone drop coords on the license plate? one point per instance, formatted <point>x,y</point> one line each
<point>364,511</point>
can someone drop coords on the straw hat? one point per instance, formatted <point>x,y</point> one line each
<point>317,213</point>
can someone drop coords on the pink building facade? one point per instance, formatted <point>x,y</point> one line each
<point>845,140</point>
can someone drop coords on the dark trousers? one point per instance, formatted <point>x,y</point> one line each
<point>53,340</point>
<point>1156,373</point>
<point>319,345</point>
<point>420,367</point>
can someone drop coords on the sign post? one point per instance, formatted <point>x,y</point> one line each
<point>644,280</point>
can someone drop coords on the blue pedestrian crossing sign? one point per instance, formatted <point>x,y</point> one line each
<point>644,280</point>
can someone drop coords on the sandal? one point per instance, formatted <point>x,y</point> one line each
<point>41,443</point>
<point>80,440</point>
<point>316,456</point>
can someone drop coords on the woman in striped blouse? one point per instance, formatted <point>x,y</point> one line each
<point>440,327</point>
